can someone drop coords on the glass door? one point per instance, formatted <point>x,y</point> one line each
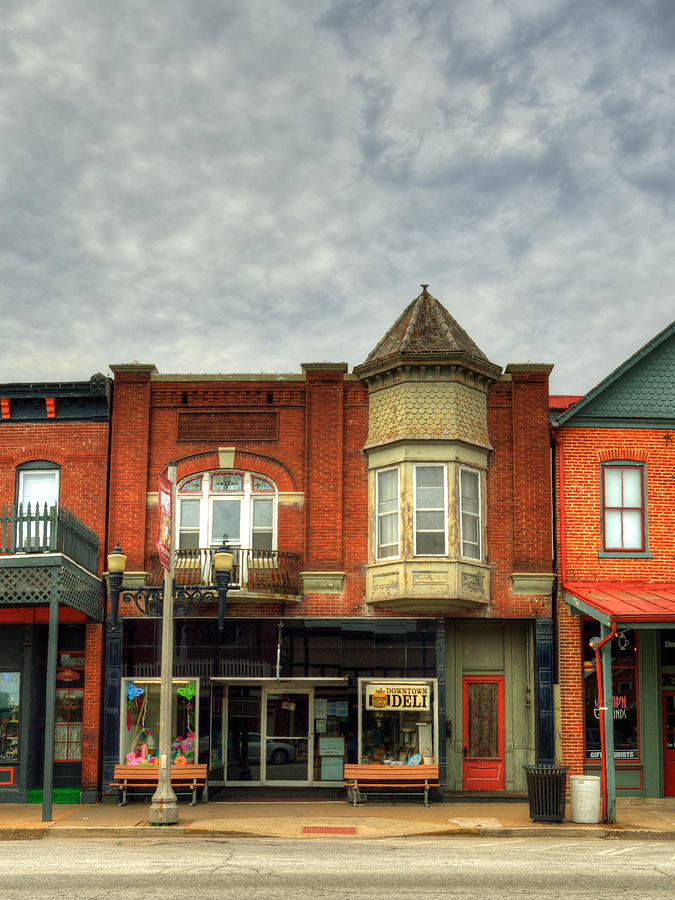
<point>669,743</point>
<point>288,737</point>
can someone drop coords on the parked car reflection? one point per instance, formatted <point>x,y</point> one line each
<point>248,747</point>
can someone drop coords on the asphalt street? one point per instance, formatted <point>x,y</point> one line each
<point>412,868</point>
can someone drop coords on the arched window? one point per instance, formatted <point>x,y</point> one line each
<point>37,483</point>
<point>239,507</point>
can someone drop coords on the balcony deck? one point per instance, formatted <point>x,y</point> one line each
<point>257,575</point>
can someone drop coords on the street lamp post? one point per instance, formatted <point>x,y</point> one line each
<point>164,807</point>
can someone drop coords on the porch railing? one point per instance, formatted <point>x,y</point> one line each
<point>262,571</point>
<point>48,529</point>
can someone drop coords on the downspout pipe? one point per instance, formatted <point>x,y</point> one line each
<point>598,644</point>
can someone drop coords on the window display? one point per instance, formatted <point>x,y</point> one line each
<point>624,698</point>
<point>397,721</point>
<point>139,739</point>
<point>10,683</point>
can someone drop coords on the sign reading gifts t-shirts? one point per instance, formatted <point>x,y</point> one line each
<point>401,695</point>
<point>165,491</point>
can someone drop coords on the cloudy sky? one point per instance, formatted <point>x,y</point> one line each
<point>245,185</point>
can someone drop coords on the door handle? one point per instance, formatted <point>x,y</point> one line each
<point>466,749</point>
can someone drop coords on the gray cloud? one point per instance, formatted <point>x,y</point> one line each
<point>247,186</point>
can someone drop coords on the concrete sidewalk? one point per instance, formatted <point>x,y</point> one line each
<point>376,819</point>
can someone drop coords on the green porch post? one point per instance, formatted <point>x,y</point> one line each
<point>608,712</point>
<point>50,711</point>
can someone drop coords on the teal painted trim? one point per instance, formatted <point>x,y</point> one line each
<point>586,609</point>
<point>616,554</point>
<point>666,424</point>
<point>649,714</point>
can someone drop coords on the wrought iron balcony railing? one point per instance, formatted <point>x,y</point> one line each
<point>266,572</point>
<point>48,529</point>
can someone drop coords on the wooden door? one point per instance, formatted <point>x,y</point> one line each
<point>483,721</point>
<point>669,743</point>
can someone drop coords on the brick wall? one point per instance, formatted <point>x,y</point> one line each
<point>313,455</point>
<point>79,448</point>
<point>579,506</point>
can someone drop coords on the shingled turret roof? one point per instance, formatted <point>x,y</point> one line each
<point>426,332</point>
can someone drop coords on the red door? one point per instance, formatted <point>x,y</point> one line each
<point>669,743</point>
<point>483,732</point>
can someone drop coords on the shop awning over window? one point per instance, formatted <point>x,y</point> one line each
<point>629,603</point>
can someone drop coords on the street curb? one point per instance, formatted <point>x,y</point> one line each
<point>599,832</point>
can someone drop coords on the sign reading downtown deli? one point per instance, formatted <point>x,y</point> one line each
<point>401,695</point>
<point>165,491</point>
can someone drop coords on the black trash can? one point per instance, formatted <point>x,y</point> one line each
<point>546,787</point>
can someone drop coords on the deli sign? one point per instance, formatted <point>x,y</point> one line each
<point>402,695</point>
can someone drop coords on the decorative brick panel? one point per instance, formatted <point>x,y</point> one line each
<point>229,426</point>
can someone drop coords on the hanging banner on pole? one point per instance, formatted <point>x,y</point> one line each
<point>164,521</point>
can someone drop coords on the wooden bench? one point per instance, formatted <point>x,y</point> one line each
<point>360,778</point>
<point>190,778</point>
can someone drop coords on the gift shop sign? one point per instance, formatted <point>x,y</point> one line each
<point>398,696</point>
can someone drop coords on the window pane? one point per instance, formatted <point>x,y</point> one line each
<point>387,488</point>
<point>612,486</point>
<point>262,513</point>
<point>470,529</point>
<point>430,544</point>
<point>226,516</point>
<point>469,487</point>
<point>261,540</point>
<point>430,498</point>
<point>429,476</point>
<point>430,521</point>
<point>632,487</point>
<point>261,484</point>
<point>388,529</point>
<point>188,540</point>
<point>632,530</point>
<point>38,487</point>
<point>194,484</point>
<point>189,513</point>
<point>227,481</point>
<point>612,528</point>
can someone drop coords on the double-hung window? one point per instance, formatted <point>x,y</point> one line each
<point>430,511</point>
<point>387,513</point>
<point>623,508</point>
<point>470,509</point>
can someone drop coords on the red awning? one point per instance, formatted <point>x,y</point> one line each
<point>627,601</point>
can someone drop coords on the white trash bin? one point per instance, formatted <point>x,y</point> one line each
<point>585,799</point>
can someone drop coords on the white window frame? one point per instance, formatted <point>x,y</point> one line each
<point>444,469</point>
<point>51,500</point>
<point>478,516</point>
<point>381,515</point>
<point>247,496</point>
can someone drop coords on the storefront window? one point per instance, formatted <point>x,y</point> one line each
<point>624,698</point>
<point>10,684</point>
<point>139,742</point>
<point>397,721</point>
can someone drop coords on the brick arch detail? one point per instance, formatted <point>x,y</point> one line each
<point>243,459</point>
<point>624,454</point>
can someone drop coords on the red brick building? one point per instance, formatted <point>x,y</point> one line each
<point>615,498</point>
<point>391,589</point>
<point>53,494</point>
